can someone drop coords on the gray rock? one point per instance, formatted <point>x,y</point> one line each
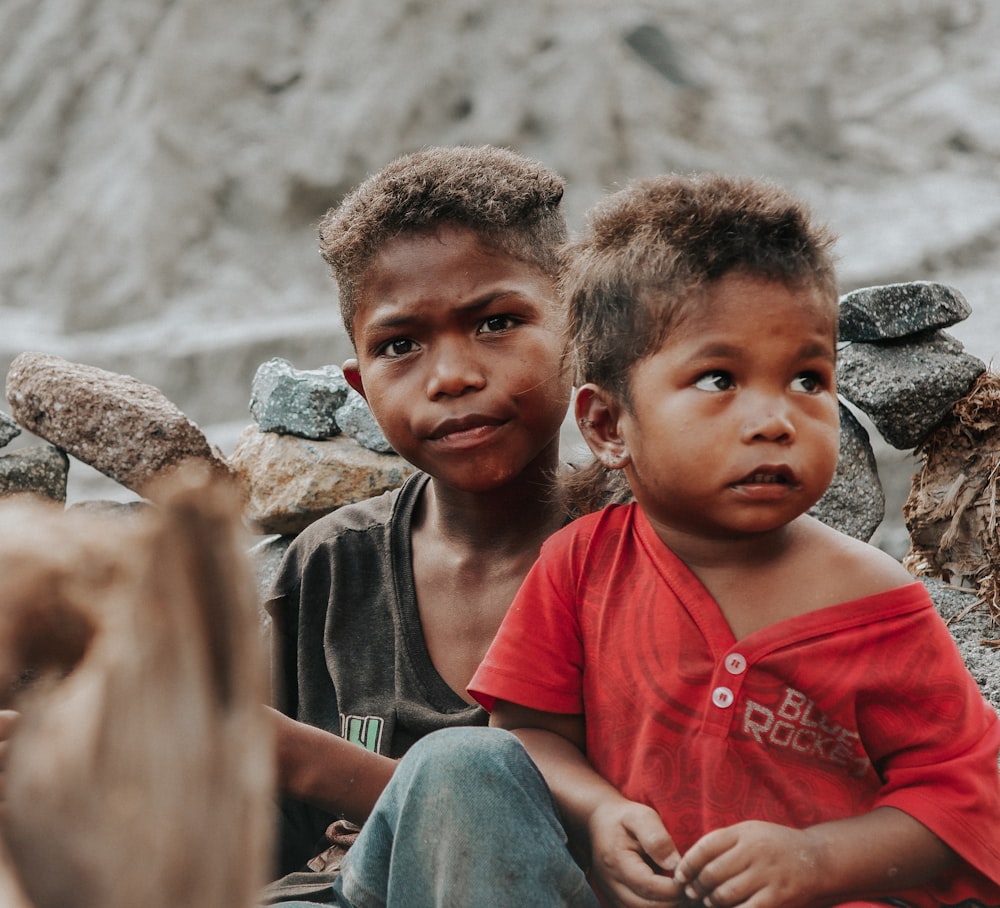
<point>855,502</point>
<point>893,311</point>
<point>356,420</point>
<point>300,402</point>
<point>120,426</point>
<point>9,430</point>
<point>41,470</point>
<point>906,387</point>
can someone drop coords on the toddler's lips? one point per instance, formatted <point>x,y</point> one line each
<point>768,475</point>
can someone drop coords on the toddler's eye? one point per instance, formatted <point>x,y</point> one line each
<point>398,347</point>
<point>497,323</point>
<point>714,381</point>
<point>809,382</point>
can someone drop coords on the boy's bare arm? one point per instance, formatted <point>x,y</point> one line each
<point>8,722</point>
<point>323,769</point>
<point>765,865</point>
<point>629,851</point>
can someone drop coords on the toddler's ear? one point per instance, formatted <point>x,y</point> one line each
<point>353,375</point>
<point>597,417</point>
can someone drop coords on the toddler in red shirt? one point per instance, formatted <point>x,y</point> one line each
<point>730,703</point>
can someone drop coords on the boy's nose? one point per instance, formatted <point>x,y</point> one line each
<point>454,371</point>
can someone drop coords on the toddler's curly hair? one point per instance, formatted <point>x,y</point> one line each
<point>654,248</point>
<point>511,201</point>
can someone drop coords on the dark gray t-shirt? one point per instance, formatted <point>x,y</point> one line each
<point>348,647</point>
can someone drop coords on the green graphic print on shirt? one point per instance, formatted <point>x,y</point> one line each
<point>363,730</point>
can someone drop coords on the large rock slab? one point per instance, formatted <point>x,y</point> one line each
<point>122,427</point>
<point>292,481</point>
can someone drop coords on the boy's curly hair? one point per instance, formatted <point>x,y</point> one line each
<point>511,201</point>
<point>654,248</point>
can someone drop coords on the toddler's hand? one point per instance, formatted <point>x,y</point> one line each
<point>633,856</point>
<point>757,864</point>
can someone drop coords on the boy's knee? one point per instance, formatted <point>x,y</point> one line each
<point>454,751</point>
<point>468,765</point>
<point>462,778</point>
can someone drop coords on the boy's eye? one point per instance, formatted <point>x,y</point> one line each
<point>809,382</point>
<point>714,381</point>
<point>497,323</point>
<point>398,347</point>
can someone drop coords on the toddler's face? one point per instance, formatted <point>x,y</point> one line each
<point>460,354</point>
<point>734,427</point>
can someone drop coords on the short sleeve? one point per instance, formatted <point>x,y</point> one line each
<point>536,659</point>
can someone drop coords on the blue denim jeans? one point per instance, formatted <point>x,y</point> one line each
<point>466,822</point>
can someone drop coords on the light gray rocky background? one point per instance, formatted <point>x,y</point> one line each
<point>163,163</point>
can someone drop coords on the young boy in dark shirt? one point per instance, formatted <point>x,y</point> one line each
<point>730,703</point>
<point>446,263</point>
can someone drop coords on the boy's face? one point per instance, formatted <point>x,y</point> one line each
<point>734,427</point>
<point>460,357</point>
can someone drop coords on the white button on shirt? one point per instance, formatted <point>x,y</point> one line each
<point>736,664</point>
<point>722,697</point>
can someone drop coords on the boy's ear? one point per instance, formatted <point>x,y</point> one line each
<point>353,375</point>
<point>597,416</point>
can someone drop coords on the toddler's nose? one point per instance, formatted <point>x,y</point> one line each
<point>769,418</point>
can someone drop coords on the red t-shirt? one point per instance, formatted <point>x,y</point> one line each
<point>826,715</point>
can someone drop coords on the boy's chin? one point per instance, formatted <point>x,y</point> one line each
<point>477,478</point>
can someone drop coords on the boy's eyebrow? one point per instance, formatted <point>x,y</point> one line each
<point>475,305</point>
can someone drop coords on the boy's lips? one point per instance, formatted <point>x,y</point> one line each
<point>464,426</point>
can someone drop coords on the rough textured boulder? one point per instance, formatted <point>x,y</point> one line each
<point>900,310</point>
<point>312,403</point>
<point>908,386</point>
<point>9,430</point>
<point>121,426</point>
<point>356,420</point>
<point>301,402</point>
<point>293,481</point>
<point>39,470</point>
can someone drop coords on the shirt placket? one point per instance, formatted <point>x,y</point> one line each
<point>726,685</point>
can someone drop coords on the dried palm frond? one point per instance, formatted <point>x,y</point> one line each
<point>952,509</point>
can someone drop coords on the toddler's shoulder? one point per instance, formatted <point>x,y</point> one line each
<point>855,567</point>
